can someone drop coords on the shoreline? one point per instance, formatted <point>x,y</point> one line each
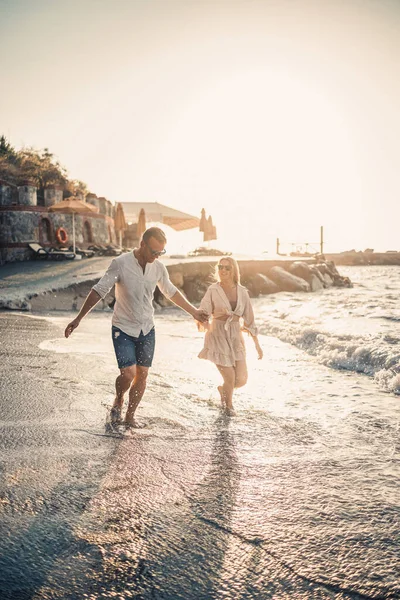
<point>64,286</point>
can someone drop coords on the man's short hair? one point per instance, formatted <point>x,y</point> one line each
<point>156,233</point>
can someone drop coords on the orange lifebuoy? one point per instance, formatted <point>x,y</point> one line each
<point>61,235</point>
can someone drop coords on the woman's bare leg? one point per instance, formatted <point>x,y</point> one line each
<point>221,393</point>
<point>226,390</point>
<point>240,373</point>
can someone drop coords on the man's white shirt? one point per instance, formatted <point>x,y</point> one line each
<point>134,290</point>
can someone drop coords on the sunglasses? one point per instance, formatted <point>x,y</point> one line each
<point>155,252</point>
<point>226,267</point>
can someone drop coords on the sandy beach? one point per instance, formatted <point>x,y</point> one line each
<point>291,499</point>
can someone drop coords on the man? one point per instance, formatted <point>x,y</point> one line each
<point>135,276</point>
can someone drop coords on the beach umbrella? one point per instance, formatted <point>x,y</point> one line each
<point>73,206</point>
<point>203,221</point>
<point>160,213</point>
<point>119,221</point>
<point>141,226</point>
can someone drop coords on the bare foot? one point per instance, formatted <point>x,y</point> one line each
<point>221,393</point>
<point>230,412</point>
<point>115,415</point>
<point>133,424</point>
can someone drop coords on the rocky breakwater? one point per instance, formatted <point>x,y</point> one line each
<point>297,277</point>
<point>259,277</point>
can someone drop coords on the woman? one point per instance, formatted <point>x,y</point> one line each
<point>228,301</point>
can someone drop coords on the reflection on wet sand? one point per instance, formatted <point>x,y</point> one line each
<point>146,533</point>
<point>188,560</point>
<point>293,498</point>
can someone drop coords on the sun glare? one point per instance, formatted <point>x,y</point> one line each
<point>280,148</point>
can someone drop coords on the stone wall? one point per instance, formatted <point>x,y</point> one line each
<point>53,195</point>
<point>19,227</point>
<point>23,222</point>
<point>27,195</point>
<point>6,193</point>
<point>105,206</point>
<point>93,199</point>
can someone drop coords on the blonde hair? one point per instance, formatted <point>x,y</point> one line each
<point>235,268</point>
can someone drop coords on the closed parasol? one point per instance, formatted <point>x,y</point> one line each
<point>141,226</point>
<point>203,221</point>
<point>119,221</point>
<point>210,231</point>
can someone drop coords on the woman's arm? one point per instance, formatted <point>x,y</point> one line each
<point>258,347</point>
<point>206,306</point>
<point>250,325</point>
<point>248,315</point>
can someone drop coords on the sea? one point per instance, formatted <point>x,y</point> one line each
<point>355,329</point>
<point>296,496</point>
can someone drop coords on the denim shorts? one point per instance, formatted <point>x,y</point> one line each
<point>133,350</point>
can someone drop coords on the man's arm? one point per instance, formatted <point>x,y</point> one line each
<point>100,290</point>
<point>91,300</point>
<point>197,314</point>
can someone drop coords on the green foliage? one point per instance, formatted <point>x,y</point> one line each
<point>8,160</point>
<point>41,168</point>
<point>6,150</point>
<point>38,166</point>
<point>75,187</point>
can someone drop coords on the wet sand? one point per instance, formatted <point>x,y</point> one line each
<point>275,503</point>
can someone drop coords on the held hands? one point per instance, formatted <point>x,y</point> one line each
<point>200,315</point>
<point>71,326</point>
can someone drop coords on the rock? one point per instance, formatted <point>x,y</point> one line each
<point>160,299</point>
<point>194,289</point>
<point>176,278</point>
<point>328,268</point>
<point>315,272</point>
<point>260,284</point>
<point>332,268</point>
<point>288,282</point>
<point>322,268</point>
<point>331,275</point>
<point>328,280</point>
<point>15,305</point>
<point>302,270</point>
<point>316,284</point>
<point>340,281</point>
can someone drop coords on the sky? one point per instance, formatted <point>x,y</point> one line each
<point>276,116</point>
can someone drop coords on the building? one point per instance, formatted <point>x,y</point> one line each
<point>24,221</point>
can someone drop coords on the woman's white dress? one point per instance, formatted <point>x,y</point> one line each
<point>224,343</point>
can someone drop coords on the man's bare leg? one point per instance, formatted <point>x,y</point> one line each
<point>122,385</point>
<point>136,393</point>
